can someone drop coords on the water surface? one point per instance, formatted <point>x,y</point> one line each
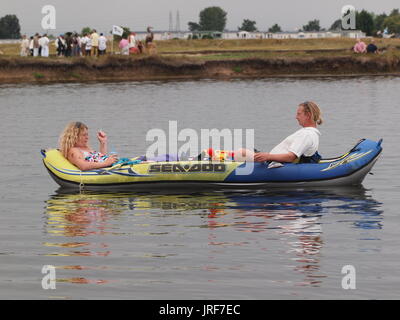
<point>206,245</point>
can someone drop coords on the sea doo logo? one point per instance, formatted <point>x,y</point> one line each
<point>178,168</point>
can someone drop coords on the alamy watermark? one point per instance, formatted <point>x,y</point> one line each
<point>49,280</point>
<point>348,17</point>
<point>190,143</point>
<point>49,19</point>
<point>349,280</point>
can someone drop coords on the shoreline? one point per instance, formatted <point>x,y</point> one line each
<point>117,68</point>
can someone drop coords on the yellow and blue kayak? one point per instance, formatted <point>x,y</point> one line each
<point>347,169</point>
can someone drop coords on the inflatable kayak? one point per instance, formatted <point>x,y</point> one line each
<point>347,169</point>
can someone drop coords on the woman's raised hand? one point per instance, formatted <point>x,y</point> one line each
<point>102,136</point>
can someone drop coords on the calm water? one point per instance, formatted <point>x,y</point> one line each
<point>212,245</point>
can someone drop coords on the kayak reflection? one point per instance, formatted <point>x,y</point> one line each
<point>82,214</point>
<point>294,217</point>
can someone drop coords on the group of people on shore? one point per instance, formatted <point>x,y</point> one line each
<point>131,45</point>
<point>74,45</point>
<point>35,46</point>
<point>362,47</point>
<point>67,45</point>
<point>88,44</point>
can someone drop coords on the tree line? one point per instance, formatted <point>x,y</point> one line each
<point>374,24</point>
<point>214,19</point>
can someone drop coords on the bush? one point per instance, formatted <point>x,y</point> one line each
<point>38,75</point>
<point>237,69</point>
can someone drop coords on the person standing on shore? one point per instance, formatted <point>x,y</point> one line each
<point>95,43</point>
<point>124,46</point>
<point>36,45</point>
<point>150,47</point>
<point>24,46</point>
<point>83,44</point>
<point>44,44</point>
<point>76,46</point>
<point>31,46</point>
<point>132,43</point>
<point>88,46</point>
<point>68,45</point>
<point>102,44</point>
<point>60,45</point>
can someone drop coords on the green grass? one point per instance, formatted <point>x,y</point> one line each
<point>237,69</point>
<point>264,44</point>
<point>74,75</point>
<point>38,75</point>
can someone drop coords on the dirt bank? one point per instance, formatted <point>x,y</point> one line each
<point>119,68</point>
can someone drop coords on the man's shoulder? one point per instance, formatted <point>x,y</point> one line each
<point>311,130</point>
<point>307,132</point>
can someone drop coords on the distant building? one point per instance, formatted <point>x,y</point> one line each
<point>235,35</point>
<point>354,34</point>
<point>203,35</point>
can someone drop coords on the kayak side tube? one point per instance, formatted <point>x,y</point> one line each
<point>349,168</point>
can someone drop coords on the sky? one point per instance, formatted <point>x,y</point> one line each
<point>73,15</point>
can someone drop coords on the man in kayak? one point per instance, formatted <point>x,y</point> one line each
<point>301,145</point>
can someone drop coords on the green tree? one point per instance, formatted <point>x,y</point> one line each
<point>86,30</point>
<point>125,34</point>
<point>212,19</point>
<point>378,22</point>
<point>312,25</point>
<point>365,22</point>
<point>9,27</point>
<point>392,23</point>
<point>337,25</point>
<point>194,26</point>
<point>275,28</point>
<point>248,25</point>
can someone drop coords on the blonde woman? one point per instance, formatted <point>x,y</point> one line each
<point>74,147</point>
<point>301,145</point>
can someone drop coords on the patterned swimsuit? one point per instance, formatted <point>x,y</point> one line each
<point>94,156</point>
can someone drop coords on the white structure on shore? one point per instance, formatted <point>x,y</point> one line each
<point>354,34</point>
<point>235,35</point>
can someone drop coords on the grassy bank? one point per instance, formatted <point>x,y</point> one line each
<point>180,59</point>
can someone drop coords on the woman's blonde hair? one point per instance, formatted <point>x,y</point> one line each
<point>313,109</point>
<point>69,136</point>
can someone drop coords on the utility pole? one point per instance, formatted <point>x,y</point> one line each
<point>170,22</point>
<point>178,23</point>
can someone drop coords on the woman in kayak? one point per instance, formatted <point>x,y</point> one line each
<point>74,147</point>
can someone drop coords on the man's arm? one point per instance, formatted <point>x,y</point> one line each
<point>283,157</point>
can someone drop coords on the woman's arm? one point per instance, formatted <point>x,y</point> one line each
<point>102,137</point>
<point>76,157</point>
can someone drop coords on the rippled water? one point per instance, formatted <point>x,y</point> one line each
<point>207,245</point>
